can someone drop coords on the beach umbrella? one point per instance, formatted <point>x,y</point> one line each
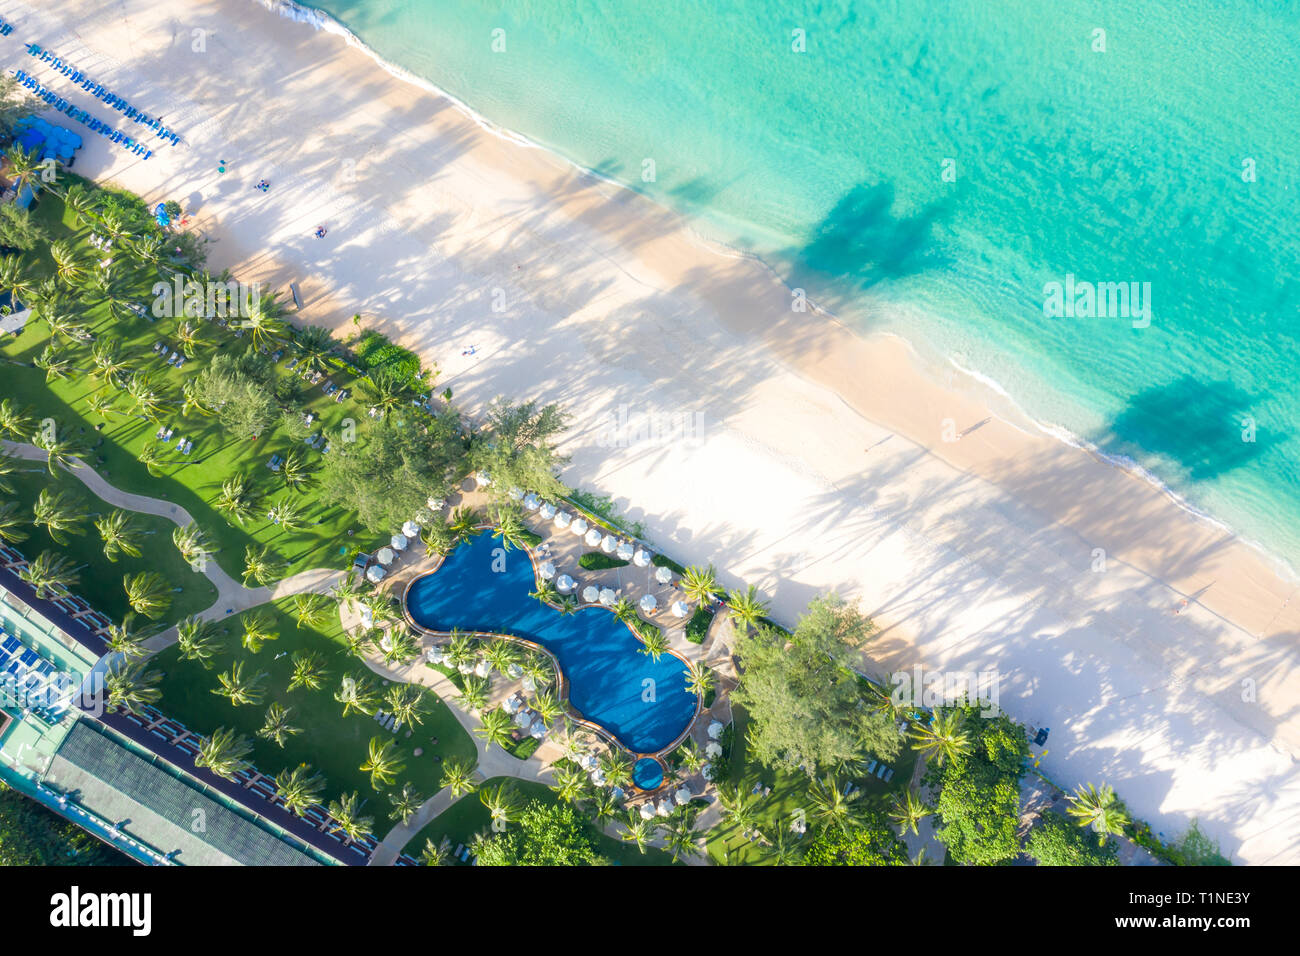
<point>625,550</point>
<point>648,810</point>
<point>648,603</point>
<point>516,493</point>
<point>434,655</point>
<point>665,807</point>
<point>617,793</point>
<point>706,771</point>
<point>515,671</point>
<point>532,502</point>
<point>715,730</point>
<point>683,796</point>
<point>588,761</point>
<point>411,529</point>
<point>590,593</point>
<point>663,575</point>
<point>547,512</point>
<point>374,574</point>
<point>435,504</point>
<point>608,544</point>
<point>528,684</point>
<point>482,479</point>
<point>465,668</point>
<point>607,596</point>
<point>482,668</point>
<point>511,704</point>
<point>367,618</point>
<point>546,570</point>
<point>680,609</point>
<point>593,538</point>
<point>562,519</point>
<point>523,719</point>
<point>579,526</point>
<point>385,556</point>
<point>539,729</point>
<point>642,558</point>
<point>598,777</point>
<point>713,749</point>
<point>399,542</point>
<point>386,642</point>
<point>565,583</point>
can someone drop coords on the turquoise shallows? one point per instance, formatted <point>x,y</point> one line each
<point>642,702</point>
<point>1162,152</point>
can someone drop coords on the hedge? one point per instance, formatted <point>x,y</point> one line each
<point>599,561</point>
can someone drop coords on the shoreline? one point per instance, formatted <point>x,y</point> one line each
<point>831,443</point>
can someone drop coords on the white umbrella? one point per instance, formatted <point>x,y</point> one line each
<point>511,704</point>
<point>647,811</point>
<point>516,493</point>
<point>607,596</point>
<point>579,526</point>
<point>625,551</point>
<point>515,671</point>
<point>482,668</point>
<point>547,512</point>
<point>665,808</point>
<point>385,556</point>
<point>528,684</point>
<point>367,617</point>
<point>590,593</point>
<point>642,558</point>
<point>386,642</point>
<point>598,777</point>
<point>374,574</point>
<point>434,655</point>
<point>663,575</point>
<point>482,479</point>
<point>523,719</point>
<point>715,730</point>
<point>564,583</point>
<point>608,544</point>
<point>562,519</point>
<point>531,501</point>
<point>683,796</point>
<point>648,603</point>
<point>410,529</point>
<point>588,761</point>
<point>539,730</point>
<point>399,542</point>
<point>616,793</point>
<point>680,609</point>
<point>707,771</point>
<point>435,504</point>
<point>546,570</point>
<point>713,749</point>
<point>465,668</point>
<point>593,537</point>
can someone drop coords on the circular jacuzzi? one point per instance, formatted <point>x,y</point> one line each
<point>648,773</point>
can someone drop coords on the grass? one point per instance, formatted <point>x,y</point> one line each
<point>194,481</point>
<point>467,816</point>
<point>101,579</point>
<point>789,795</point>
<point>697,628</point>
<point>334,745</point>
<point>598,561</point>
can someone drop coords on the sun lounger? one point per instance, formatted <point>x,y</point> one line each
<point>871,768</point>
<point>881,771</point>
<point>889,774</point>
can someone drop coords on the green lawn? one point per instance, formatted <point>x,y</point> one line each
<point>101,579</point>
<point>789,794</point>
<point>334,745</point>
<point>467,816</point>
<point>191,481</point>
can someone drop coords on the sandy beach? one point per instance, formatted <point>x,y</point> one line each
<point>780,446</point>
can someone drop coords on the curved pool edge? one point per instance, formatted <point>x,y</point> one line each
<point>562,679</point>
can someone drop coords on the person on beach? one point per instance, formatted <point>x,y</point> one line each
<point>470,351</point>
<point>320,232</point>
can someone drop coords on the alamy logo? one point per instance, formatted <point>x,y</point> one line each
<point>76,909</point>
<point>191,299</point>
<point>921,688</point>
<point>1078,299</point>
<point>623,429</point>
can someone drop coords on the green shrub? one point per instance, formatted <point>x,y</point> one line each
<point>523,749</point>
<point>599,561</point>
<point>698,626</point>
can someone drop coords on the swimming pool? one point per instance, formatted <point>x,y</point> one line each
<point>643,703</point>
<point>648,773</point>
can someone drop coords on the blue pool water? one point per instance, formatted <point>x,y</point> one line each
<point>642,702</point>
<point>648,773</point>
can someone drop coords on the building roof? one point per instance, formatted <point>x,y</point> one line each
<point>160,806</point>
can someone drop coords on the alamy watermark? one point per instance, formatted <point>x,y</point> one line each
<point>1079,299</point>
<point>921,688</point>
<point>623,428</point>
<point>189,298</point>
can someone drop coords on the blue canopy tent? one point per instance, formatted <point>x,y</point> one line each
<point>49,142</point>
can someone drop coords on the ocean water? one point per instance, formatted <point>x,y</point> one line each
<point>928,167</point>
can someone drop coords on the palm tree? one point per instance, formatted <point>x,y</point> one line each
<point>24,166</point>
<point>700,584</point>
<point>460,649</point>
<point>193,543</point>
<point>436,854</point>
<point>832,805</point>
<point>501,654</point>
<point>1100,809</point>
<point>315,342</point>
<point>132,687</point>
<point>537,668</point>
<point>495,728</point>
<point>126,640</point>
<point>746,608</point>
<point>189,335</point>
<point>100,404</point>
<point>296,471</point>
<point>13,522</point>
<point>346,812</point>
<point>546,592</point>
<point>192,401</point>
<point>15,420</point>
<point>259,627</point>
<point>548,706</point>
<point>617,767</point>
<point>692,759</point>
<point>386,389</point>
<point>146,398</point>
<point>237,688</point>
<point>638,831</point>
<point>308,671</point>
<point>55,362</point>
<point>64,325</point>
<point>699,679</point>
<point>502,802</point>
<point>287,515</point>
<point>654,644</point>
<point>225,753</point>
<point>81,201</point>
<point>510,529</point>
<point>236,500</point>
<point>263,319</point>
<point>624,609</point>
<point>50,572</point>
<point>381,608</point>
<point>148,593</point>
<point>464,524</point>
<point>382,763</point>
<point>473,693</point>
<point>196,639</point>
<point>358,694</point>
<point>68,264</point>
<point>943,738</point>
<point>107,360</point>
<point>59,449</point>
<point>60,512</point>
<point>570,783</point>
<point>16,277</point>
<point>299,789</point>
<point>262,565</point>
<point>782,850</point>
<point>458,777</point>
<point>406,802</point>
<point>406,702</point>
<point>120,533</point>
<point>276,727</point>
<point>679,838</point>
<point>738,808</point>
<point>151,457</point>
<point>604,807</point>
<point>909,812</point>
<point>9,465</point>
<point>348,588</point>
<point>310,608</point>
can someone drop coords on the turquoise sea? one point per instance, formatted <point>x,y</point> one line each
<point>1169,158</point>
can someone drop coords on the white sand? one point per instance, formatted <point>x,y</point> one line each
<point>821,463</point>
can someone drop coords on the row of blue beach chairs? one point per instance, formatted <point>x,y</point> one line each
<point>101,92</point>
<point>6,28</point>
<point>81,116</point>
<point>31,680</point>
